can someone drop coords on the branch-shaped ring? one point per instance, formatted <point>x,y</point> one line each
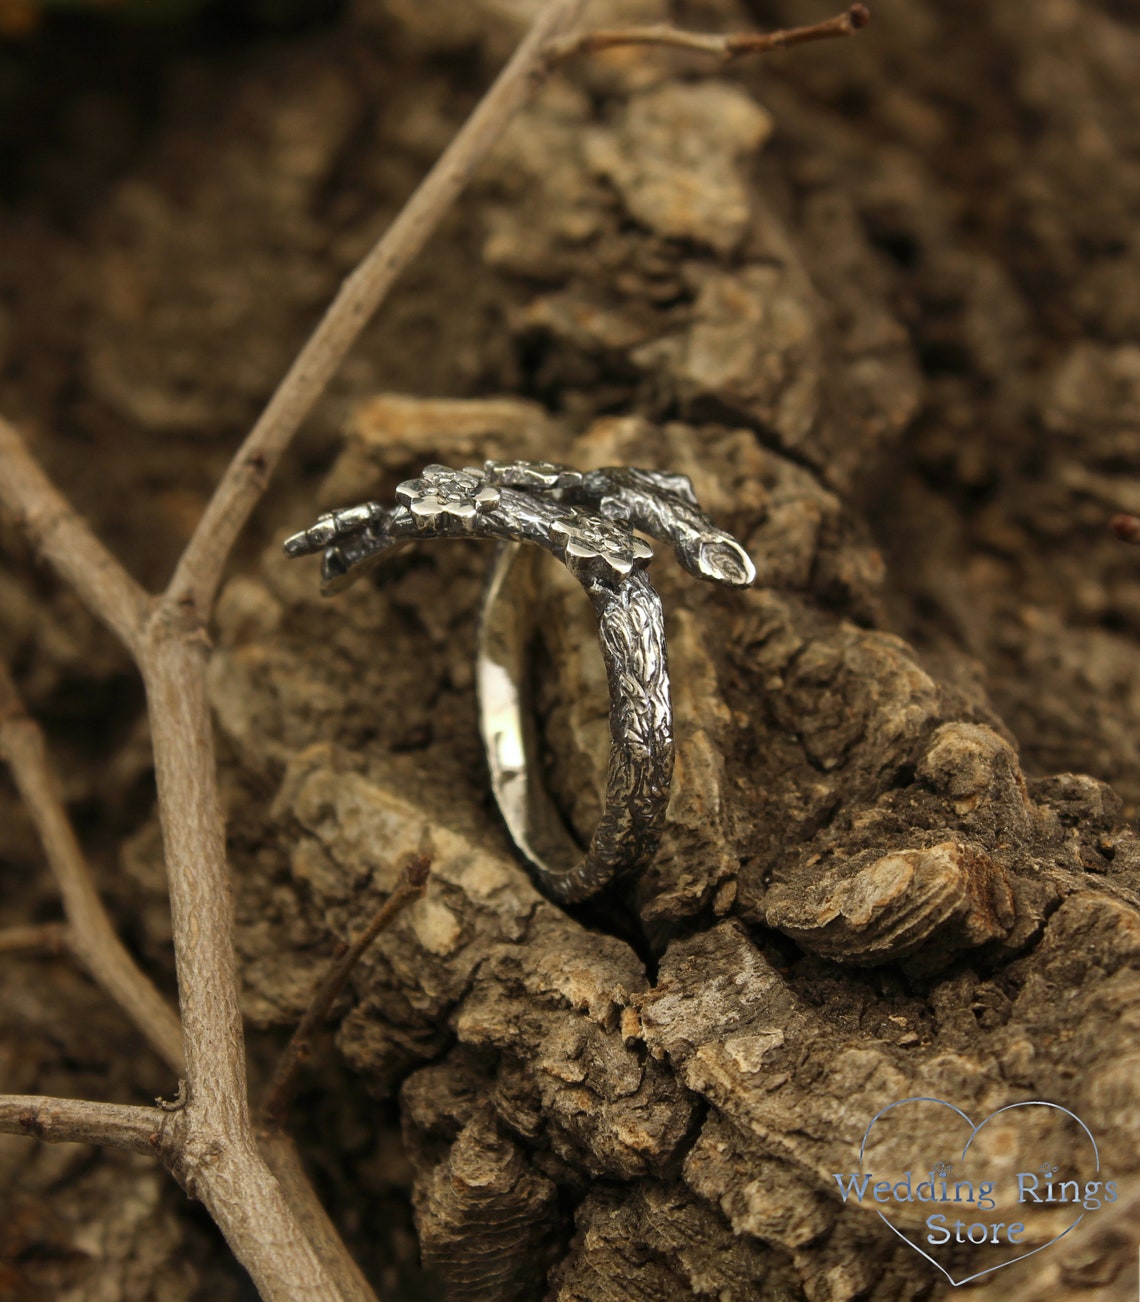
<point>588,521</point>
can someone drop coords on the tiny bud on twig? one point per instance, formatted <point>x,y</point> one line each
<point>178,1102</point>
<point>1126,527</point>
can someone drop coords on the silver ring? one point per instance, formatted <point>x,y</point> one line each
<point>588,521</point>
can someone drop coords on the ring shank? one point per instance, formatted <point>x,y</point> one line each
<point>632,636</point>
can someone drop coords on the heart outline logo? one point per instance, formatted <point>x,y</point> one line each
<point>974,1129</point>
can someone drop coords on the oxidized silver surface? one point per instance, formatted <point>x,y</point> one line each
<point>588,521</point>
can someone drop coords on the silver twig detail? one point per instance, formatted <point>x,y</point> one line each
<point>589,521</point>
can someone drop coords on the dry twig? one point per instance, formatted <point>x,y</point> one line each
<point>410,887</point>
<point>735,45</point>
<point>72,1121</point>
<point>90,935</point>
<point>199,572</point>
<point>47,938</point>
<point>284,1241</point>
<point>271,1219</point>
<point>62,538</point>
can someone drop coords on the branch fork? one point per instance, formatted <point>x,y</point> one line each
<point>254,1187</point>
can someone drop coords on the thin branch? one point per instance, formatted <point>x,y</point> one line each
<point>218,1159</point>
<point>284,1161</point>
<point>75,1121</point>
<point>92,938</point>
<point>62,537</point>
<point>410,887</point>
<point>221,1163</point>
<point>199,571</point>
<point>736,45</point>
<point>268,1224</point>
<point>201,908</point>
<point>46,938</point>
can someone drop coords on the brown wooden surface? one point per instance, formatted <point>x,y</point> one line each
<point>879,300</point>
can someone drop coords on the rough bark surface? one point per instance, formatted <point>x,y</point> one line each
<point>879,302</point>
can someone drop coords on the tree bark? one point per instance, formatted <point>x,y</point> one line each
<point>878,301</point>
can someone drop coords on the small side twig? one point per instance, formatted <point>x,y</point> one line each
<point>62,537</point>
<point>410,887</point>
<point>75,1121</point>
<point>46,938</point>
<point>90,935</point>
<point>267,1224</point>
<point>199,570</point>
<point>273,1222</point>
<point>735,45</point>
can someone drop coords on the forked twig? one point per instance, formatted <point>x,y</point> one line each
<point>410,887</point>
<point>199,572</point>
<point>275,1227</point>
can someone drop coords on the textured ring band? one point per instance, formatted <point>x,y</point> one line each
<point>631,629</point>
<point>587,520</point>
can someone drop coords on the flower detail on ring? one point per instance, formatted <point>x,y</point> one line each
<point>941,1168</point>
<point>442,496</point>
<point>1047,1169</point>
<point>594,545</point>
